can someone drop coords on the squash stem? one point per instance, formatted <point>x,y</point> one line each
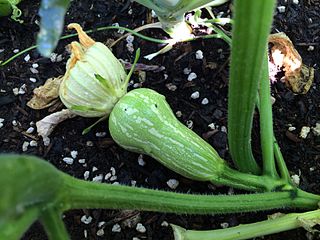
<point>246,231</point>
<point>83,194</point>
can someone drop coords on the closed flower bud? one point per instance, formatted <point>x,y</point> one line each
<point>94,80</point>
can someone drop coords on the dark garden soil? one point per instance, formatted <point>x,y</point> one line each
<point>301,22</point>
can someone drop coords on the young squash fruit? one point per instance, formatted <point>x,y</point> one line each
<point>143,122</point>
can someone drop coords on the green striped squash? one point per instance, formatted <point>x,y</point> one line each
<point>143,122</point>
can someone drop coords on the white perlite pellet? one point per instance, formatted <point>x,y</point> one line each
<point>82,161</point>
<point>164,224</point>
<point>140,228</point>
<point>304,132</point>
<point>316,129</point>
<point>116,228</point>
<point>199,54</point>
<point>22,89</point>
<point>33,143</point>
<point>295,2</point>
<point>107,176</point>
<point>74,154</point>
<point>101,134</point>
<point>224,129</point>
<point>33,80</point>
<point>100,232</point>
<point>186,71</point>
<point>224,225</point>
<point>98,178</point>
<point>89,143</point>
<point>295,179</point>
<point>35,65</point>
<point>25,146</point>
<point>68,160</point>
<point>212,126</point>
<point>86,219</point>
<point>281,9</point>
<point>94,169</point>
<point>1,122</point>
<point>291,128</point>
<point>86,175</point>
<point>192,76</point>
<point>113,178</point>
<point>113,171</point>
<point>30,130</point>
<point>205,101</point>
<point>27,58</point>
<point>141,162</point>
<point>189,124</point>
<point>173,183</point>
<point>195,95</point>
<point>16,50</point>
<point>33,70</point>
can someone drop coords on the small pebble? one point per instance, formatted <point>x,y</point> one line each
<point>98,178</point>
<point>186,71</point>
<point>68,160</point>
<point>101,134</point>
<point>291,128</point>
<point>30,130</point>
<point>205,101</point>
<point>224,225</point>
<point>82,161</point>
<point>100,232</point>
<point>74,154</point>
<point>189,124</point>
<point>22,89</point>
<point>223,129</point>
<point>33,70</point>
<point>35,65</point>
<point>33,143</point>
<point>164,224</point>
<point>89,143</point>
<point>113,178</point>
<point>140,228</point>
<point>25,146</point>
<point>86,219</point>
<point>304,132</point>
<point>141,162</point>
<point>195,95</point>
<point>281,9</point>
<point>33,80</point>
<point>113,171</point>
<point>173,183</point>
<point>133,183</point>
<point>116,228</point>
<point>316,129</point>
<point>107,176</point>
<point>86,175</point>
<point>178,113</point>
<point>295,179</point>
<point>192,76</point>
<point>199,54</point>
<point>171,87</point>
<point>310,48</point>
<point>27,58</point>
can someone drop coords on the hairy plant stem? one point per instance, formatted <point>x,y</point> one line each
<point>249,44</point>
<point>266,128</point>
<point>246,231</point>
<point>83,194</point>
<point>51,219</point>
<point>14,228</point>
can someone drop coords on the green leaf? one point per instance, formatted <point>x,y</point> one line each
<point>52,14</point>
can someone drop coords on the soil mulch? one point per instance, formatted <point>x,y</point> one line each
<point>301,22</point>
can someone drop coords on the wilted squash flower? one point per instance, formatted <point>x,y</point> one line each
<point>94,80</point>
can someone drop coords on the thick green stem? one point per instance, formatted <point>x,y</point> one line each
<point>82,194</point>
<point>51,219</point>
<point>14,228</point>
<point>249,44</point>
<point>246,231</point>
<point>266,128</point>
